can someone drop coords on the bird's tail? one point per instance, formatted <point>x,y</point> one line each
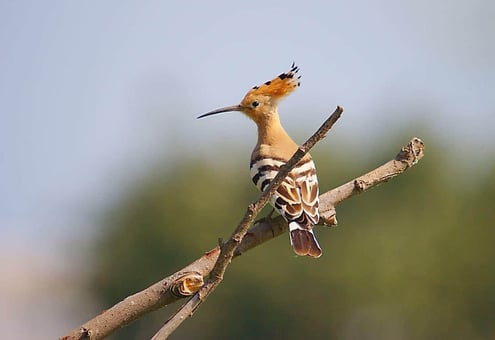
<point>303,241</point>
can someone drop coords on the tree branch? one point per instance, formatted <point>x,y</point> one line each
<point>165,292</point>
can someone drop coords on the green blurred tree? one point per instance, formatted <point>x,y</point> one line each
<point>411,259</point>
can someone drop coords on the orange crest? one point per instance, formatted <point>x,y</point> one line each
<point>280,86</point>
<point>261,101</point>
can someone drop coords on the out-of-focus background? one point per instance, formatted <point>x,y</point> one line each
<point>109,183</point>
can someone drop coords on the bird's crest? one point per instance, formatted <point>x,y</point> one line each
<point>279,86</point>
<point>261,101</point>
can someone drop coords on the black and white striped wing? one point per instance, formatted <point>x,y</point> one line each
<point>297,197</point>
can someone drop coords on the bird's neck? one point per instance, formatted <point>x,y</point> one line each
<point>270,130</point>
<point>272,138</point>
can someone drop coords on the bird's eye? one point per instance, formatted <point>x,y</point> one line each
<point>255,103</point>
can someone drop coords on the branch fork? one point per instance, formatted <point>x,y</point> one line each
<point>188,282</point>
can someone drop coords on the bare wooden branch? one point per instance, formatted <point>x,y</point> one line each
<point>408,156</point>
<point>161,293</point>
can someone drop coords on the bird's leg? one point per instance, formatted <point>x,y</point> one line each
<point>266,218</point>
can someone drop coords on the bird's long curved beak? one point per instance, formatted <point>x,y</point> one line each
<point>221,110</point>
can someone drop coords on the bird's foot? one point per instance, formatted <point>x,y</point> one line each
<point>266,218</point>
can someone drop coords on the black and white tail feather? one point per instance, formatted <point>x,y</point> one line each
<point>296,199</point>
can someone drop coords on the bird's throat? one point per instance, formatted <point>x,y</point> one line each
<point>272,136</point>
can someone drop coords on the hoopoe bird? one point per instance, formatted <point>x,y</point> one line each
<point>296,199</point>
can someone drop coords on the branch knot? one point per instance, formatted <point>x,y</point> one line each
<point>187,284</point>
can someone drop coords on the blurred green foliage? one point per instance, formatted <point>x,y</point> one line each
<point>411,259</point>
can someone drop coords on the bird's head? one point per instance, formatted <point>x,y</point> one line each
<point>261,101</point>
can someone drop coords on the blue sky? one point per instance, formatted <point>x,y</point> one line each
<point>91,91</point>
